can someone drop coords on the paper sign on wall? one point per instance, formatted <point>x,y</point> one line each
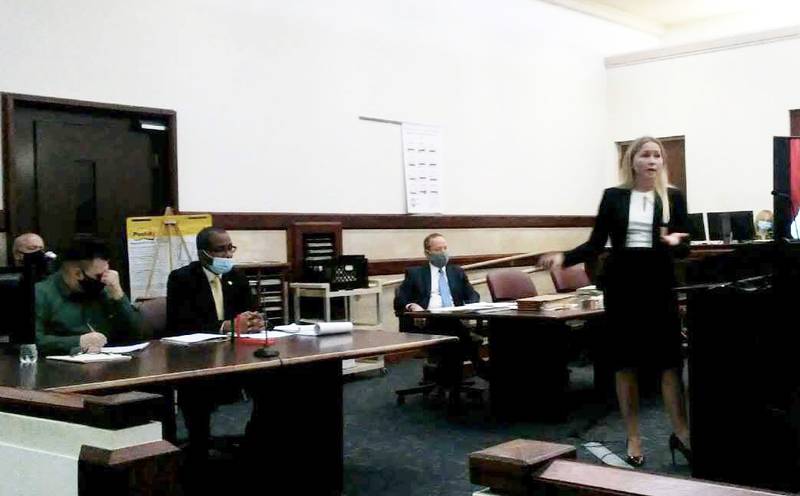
<point>158,245</point>
<point>422,157</point>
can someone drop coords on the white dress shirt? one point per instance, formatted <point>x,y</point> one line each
<point>436,296</point>
<point>640,220</point>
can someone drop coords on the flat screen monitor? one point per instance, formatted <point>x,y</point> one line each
<point>719,226</point>
<point>16,308</point>
<point>697,228</point>
<point>742,227</point>
<point>738,226</point>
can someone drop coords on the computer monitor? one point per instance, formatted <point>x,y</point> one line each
<point>731,225</point>
<point>719,226</point>
<point>742,227</point>
<point>697,228</point>
<point>16,301</point>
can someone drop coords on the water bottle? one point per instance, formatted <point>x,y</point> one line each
<point>28,354</point>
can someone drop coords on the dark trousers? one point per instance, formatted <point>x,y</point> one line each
<point>198,401</point>
<point>469,344</point>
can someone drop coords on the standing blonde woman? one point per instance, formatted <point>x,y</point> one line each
<point>647,222</point>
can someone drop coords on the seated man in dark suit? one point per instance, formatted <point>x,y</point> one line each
<point>208,296</point>
<point>434,285</point>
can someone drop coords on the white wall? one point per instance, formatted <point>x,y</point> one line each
<point>729,104</point>
<point>268,94</point>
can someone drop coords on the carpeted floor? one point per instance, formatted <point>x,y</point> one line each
<point>417,448</point>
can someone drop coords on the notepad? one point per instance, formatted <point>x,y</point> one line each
<point>125,349</point>
<point>90,357</point>
<point>199,337</point>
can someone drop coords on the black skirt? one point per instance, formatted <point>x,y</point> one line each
<point>642,328</point>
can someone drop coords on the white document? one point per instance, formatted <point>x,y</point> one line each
<point>90,357</point>
<point>318,329</point>
<point>296,328</point>
<point>125,349</point>
<point>422,159</point>
<point>477,307</point>
<point>270,335</point>
<point>199,337</point>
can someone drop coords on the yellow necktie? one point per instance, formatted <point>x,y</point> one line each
<point>216,292</point>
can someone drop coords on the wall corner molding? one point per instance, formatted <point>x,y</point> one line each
<point>703,47</point>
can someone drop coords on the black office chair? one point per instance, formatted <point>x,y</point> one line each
<point>434,374</point>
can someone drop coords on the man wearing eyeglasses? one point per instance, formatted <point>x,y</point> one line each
<point>207,296</point>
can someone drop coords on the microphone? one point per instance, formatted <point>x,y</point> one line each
<point>266,351</point>
<point>780,194</point>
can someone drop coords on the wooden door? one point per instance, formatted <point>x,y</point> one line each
<point>83,170</point>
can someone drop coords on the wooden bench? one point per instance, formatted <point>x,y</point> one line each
<point>523,467</point>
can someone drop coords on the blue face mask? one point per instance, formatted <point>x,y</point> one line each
<point>764,225</point>
<point>220,265</point>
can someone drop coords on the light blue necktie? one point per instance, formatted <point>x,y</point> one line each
<point>444,290</point>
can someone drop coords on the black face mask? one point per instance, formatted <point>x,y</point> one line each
<point>35,258</point>
<point>36,264</point>
<point>91,287</point>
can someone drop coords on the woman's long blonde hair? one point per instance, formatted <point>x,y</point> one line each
<point>627,176</point>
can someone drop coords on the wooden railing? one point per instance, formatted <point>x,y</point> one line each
<point>149,469</point>
<point>522,467</point>
<point>529,257</point>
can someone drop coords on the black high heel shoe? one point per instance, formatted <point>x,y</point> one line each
<point>633,461</point>
<point>676,444</point>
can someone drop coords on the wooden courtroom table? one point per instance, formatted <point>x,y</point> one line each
<point>304,387</point>
<point>527,358</point>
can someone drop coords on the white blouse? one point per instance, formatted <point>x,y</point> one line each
<point>640,220</point>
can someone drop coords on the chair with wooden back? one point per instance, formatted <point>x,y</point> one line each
<point>510,284</point>
<point>568,279</point>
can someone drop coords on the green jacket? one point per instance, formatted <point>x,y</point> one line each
<point>61,317</point>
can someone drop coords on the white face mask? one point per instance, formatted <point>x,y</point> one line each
<point>764,225</point>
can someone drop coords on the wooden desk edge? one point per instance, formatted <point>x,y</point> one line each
<point>432,340</point>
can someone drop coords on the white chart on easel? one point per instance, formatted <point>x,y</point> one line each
<point>160,256</point>
<point>423,161</point>
<point>157,246</point>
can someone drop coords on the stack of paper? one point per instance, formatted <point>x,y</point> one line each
<point>199,337</point>
<point>477,307</point>
<point>589,291</point>
<point>546,302</point>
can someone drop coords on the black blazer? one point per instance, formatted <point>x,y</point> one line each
<point>416,288</point>
<point>612,221</point>
<point>190,305</point>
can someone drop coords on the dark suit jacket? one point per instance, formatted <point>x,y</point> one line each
<point>612,221</point>
<point>190,305</point>
<point>416,288</point>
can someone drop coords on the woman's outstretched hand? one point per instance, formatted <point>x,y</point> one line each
<point>551,261</point>
<point>673,239</point>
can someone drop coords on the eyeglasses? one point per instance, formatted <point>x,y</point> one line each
<point>223,249</point>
